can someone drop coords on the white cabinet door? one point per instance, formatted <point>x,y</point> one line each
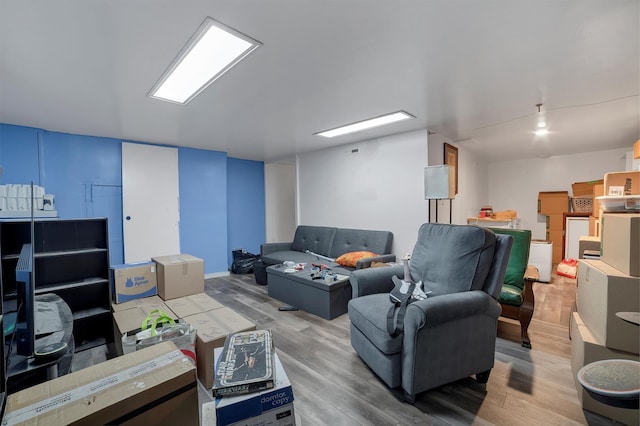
<point>150,203</point>
<point>575,227</point>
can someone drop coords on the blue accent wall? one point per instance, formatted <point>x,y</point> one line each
<point>203,206</point>
<point>245,206</point>
<point>19,154</point>
<point>85,175</point>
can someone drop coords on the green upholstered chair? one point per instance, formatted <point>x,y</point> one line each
<point>516,297</point>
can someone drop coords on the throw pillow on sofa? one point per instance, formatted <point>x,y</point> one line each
<point>351,259</point>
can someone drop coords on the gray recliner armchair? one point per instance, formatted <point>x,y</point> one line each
<point>450,335</point>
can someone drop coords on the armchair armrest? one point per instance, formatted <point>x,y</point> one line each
<point>268,248</point>
<point>438,310</point>
<point>532,273</point>
<point>366,262</point>
<point>373,280</point>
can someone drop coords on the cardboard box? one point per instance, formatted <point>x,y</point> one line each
<point>179,275</point>
<point>556,202</point>
<point>133,281</point>
<point>555,222</point>
<point>588,242</point>
<point>212,328</point>
<point>156,385</point>
<point>194,304</point>
<point>130,320</point>
<point>594,225</point>
<point>621,242</point>
<point>619,179</point>
<point>136,303</point>
<point>636,150</point>
<point>603,291</point>
<point>270,407</point>
<point>598,191</point>
<point>556,238</point>
<point>580,189</point>
<point>585,349</point>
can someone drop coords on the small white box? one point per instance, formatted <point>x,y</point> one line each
<point>12,204</point>
<point>3,190</point>
<point>48,202</point>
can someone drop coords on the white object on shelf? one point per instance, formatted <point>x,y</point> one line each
<point>619,203</point>
<point>495,223</point>
<point>540,256</point>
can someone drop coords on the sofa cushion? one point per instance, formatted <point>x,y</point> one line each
<point>511,295</point>
<point>459,261</point>
<point>369,315</point>
<point>317,239</point>
<point>279,257</point>
<point>348,240</point>
<point>351,259</point>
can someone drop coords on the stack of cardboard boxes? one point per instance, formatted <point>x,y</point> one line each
<point>605,287</point>
<point>554,205</point>
<point>178,281</point>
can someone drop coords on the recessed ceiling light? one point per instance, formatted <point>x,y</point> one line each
<point>542,124</point>
<point>210,52</point>
<point>366,124</point>
<point>541,132</point>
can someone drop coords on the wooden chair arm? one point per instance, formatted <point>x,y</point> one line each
<point>532,273</point>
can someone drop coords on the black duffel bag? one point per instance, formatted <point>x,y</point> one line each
<point>243,262</point>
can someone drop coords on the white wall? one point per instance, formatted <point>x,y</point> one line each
<point>280,201</point>
<point>515,184</point>
<point>379,187</point>
<point>472,183</point>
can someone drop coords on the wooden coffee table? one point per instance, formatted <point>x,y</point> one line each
<point>326,300</point>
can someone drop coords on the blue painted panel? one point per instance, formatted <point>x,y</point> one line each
<point>245,206</point>
<point>71,164</point>
<point>19,154</point>
<point>107,202</point>
<point>203,207</point>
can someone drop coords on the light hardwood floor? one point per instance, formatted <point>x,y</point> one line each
<point>332,386</point>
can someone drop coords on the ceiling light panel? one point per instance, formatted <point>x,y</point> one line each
<point>213,50</point>
<point>366,124</point>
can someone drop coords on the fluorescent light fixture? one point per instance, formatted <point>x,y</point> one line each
<point>210,52</point>
<point>366,124</point>
<point>541,132</point>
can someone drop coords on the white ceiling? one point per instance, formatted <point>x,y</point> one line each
<point>469,70</point>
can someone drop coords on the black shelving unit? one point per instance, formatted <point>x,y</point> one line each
<point>71,260</point>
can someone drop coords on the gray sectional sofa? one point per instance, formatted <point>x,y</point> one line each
<point>329,242</point>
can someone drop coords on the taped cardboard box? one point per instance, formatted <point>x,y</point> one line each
<point>156,385</point>
<point>602,291</point>
<point>136,303</point>
<point>194,304</point>
<point>269,407</point>
<point>130,320</point>
<point>133,281</point>
<point>212,328</point>
<point>585,349</point>
<point>179,275</point>
<point>625,181</point>
<point>553,202</point>
<point>621,242</point>
<point>585,188</point>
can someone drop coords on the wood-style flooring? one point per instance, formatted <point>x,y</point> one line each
<point>332,386</point>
